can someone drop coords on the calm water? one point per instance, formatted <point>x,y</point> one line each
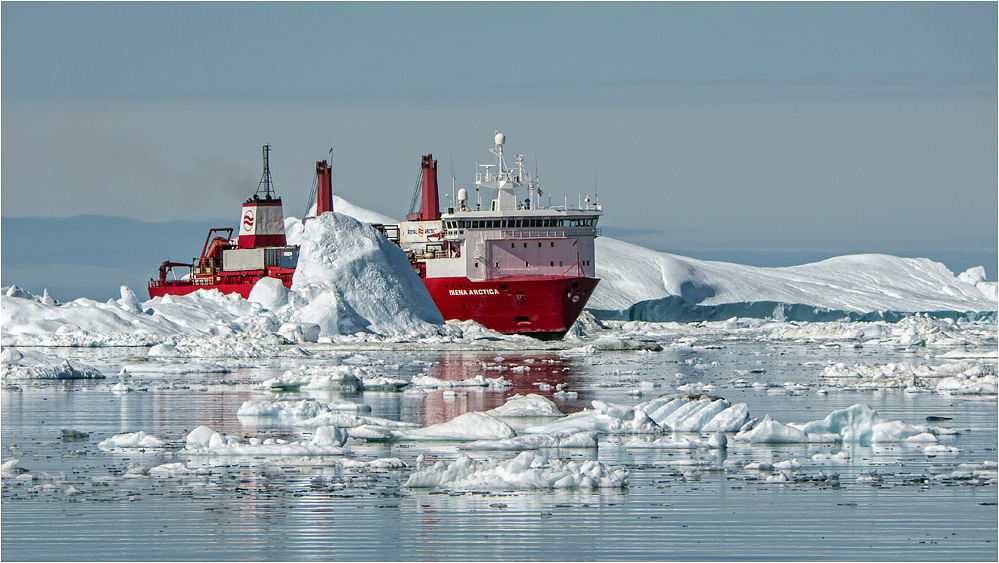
<point>678,506</point>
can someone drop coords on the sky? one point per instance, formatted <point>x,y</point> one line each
<point>707,129</point>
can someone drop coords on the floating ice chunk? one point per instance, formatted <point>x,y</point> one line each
<point>526,406</point>
<point>696,413</point>
<point>347,406</point>
<point>469,426</point>
<point>205,441</point>
<point>177,469</point>
<point>839,457</point>
<point>527,471</point>
<point>604,418</point>
<point>769,431</point>
<point>131,440</point>
<point>285,410</point>
<point>536,442</point>
<point>477,381</point>
<point>788,465</point>
<point>347,420</point>
<point>380,463</point>
<point>729,420</point>
<point>716,441</point>
<point>40,366</point>
<point>336,378</point>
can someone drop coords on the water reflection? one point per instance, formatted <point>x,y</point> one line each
<point>543,374</point>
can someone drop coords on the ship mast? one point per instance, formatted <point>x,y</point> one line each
<point>266,186</point>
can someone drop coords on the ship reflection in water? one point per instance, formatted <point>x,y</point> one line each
<point>542,374</point>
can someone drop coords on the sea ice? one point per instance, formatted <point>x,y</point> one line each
<point>326,440</point>
<point>531,405</point>
<point>527,471</point>
<point>469,426</point>
<point>536,442</point>
<point>131,440</point>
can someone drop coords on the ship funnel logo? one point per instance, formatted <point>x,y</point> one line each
<point>248,220</point>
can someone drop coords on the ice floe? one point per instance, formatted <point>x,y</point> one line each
<point>858,423</point>
<point>326,440</point>
<point>130,441</point>
<point>527,471</point>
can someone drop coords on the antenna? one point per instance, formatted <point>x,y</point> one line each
<point>265,185</point>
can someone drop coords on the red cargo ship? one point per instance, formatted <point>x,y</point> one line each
<point>260,251</point>
<point>515,267</point>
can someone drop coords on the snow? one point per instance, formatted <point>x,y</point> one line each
<point>527,471</point>
<point>862,283</point>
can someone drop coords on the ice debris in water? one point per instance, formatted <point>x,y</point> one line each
<point>605,418</point>
<point>957,378</point>
<point>282,410</point>
<point>468,426</point>
<point>131,440</point>
<point>527,471</point>
<point>536,442</point>
<point>531,405</point>
<point>696,413</point>
<point>477,381</point>
<point>717,441</point>
<point>858,423</point>
<point>326,440</point>
<point>36,365</point>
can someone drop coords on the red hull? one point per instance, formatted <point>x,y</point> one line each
<point>540,306</point>
<point>241,284</point>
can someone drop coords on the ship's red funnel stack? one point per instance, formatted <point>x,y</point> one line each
<point>431,201</point>
<point>324,188</point>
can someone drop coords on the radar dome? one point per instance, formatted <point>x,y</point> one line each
<point>462,194</point>
<point>500,138</point>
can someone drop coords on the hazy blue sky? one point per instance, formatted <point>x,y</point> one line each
<point>831,127</point>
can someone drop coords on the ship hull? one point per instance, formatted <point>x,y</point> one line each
<point>539,306</point>
<point>241,284</point>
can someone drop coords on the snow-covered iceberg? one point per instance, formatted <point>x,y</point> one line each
<point>643,284</point>
<point>351,278</point>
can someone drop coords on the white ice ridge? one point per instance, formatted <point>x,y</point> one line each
<point>326,440</point>
<point>527,471</point>
<point>861,283</point>
<point>858,423</point>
